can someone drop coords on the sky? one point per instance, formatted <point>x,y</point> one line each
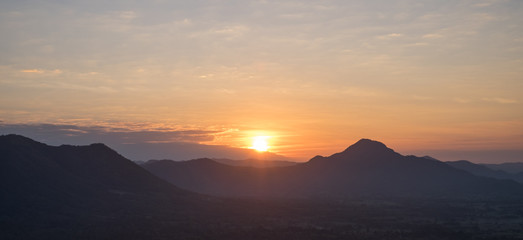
<point>426,77</point>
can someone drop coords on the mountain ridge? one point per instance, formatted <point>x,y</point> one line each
<point>510,167</point>
<point>33,170</point>
<point>92,192</point>
<point>258,163</point>
<point>483,170</point>
<point>366,168</point>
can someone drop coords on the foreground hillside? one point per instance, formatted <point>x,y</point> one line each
<point>92,192</point>
<point>81,190</point>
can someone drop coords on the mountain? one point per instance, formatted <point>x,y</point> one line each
<point>366,168</point>
<point>482,170</point>
<point>511,167</point>
<point>259,163</point>
<point>210,177</point>
<point>88,192</point>
<point>36,168</point>
<point>92,192</point>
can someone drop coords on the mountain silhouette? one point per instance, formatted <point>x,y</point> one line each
<point>35,168</point>
<point>510,167</point>
<point>367,149</point>
<point>210,177</point>
<point>366,168</point>
<point>86,192</point>
<point>260,163</point>
<point>482,170</point>
<point>92,192</point>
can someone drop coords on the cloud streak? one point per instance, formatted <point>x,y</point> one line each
<point>500,100</point>
<point>41,71</point>
<point>159,143</point>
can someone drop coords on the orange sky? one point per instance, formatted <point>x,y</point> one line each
<point>315,76</point>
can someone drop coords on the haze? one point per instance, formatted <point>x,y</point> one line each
<point>430,77</point>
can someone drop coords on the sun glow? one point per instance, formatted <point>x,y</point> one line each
<point>260,143</point>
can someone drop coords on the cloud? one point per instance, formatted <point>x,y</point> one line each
<point>491,100</point>
<point>137,143</point>
<point>432,36</point>
<point>488,3</point>
<point>359,92</point>
<point>32,71</point>
<point>233,31</point>
<point>41,71</point>
<point>418,44</point>
<point>223,32</point>
<point>483,17</point>
<point>390,36</point>
<point>293,16</point>
<point>421,98</point>
<point>184,22</point>
<point>127,15</point>
<point>500,100</point>
<point>462,100</point>
<point>128,134</point>
<point>225,91</point>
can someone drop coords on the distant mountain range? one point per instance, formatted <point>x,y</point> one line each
<point>488,170</point>
<point>92,192</point>
<point>365,169</point>
<point>512,167</point>
<point>258,163</point>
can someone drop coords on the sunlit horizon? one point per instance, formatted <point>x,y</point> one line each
<point>434,77</point>
<point>260,143</point>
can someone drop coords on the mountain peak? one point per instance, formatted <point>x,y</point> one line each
<point>367,148</point>
<point>368,145</point>
<point>14,138</point>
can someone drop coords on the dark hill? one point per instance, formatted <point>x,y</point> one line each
<point>89,192</point>
<point>34,170</point>
<point>259,163</point>
<point>510,167</point>
<point>482,170</point>
<point>367,149</point>
<point>366,169</point>
<point>92,192</point>
<point>210,177</point>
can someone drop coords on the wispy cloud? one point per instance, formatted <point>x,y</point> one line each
<point>432,36</point>
<point>421,98</point>
<point>114,133</point>
<point>233,30</point>
<point>156,142</point>
<point>500,100</point>
<point>488,3</point>
<point>390,36</point>
<point>32,71</point>
<point>462,100</point>
<point>42,71</point>
<point>127,15</point>
<point>227,32</point>
<point>359,92</point>
<point>489,99</point>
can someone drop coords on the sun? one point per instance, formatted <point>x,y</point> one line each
<point>260,143</point>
